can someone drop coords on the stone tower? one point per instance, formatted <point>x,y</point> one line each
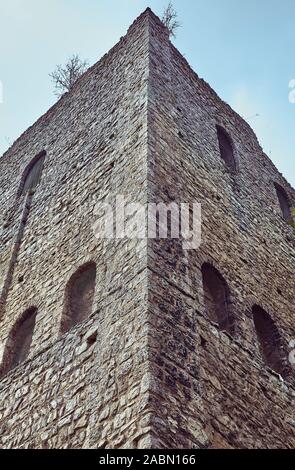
<point>138,343</point>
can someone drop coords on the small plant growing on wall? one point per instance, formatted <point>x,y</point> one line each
<point>292,221</point>
<point>170,20</point>
<point>64,77</point>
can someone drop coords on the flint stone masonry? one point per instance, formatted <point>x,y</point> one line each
<point>148,367</point>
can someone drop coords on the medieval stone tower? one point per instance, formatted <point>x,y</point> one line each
<point>137,343</point>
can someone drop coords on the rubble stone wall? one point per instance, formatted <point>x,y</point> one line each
<point>214,388</point>
<point>86,388</point>
<point>147,368</point>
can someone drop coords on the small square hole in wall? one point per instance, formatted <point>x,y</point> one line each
<point>91,340</point>
<point>203,342</point>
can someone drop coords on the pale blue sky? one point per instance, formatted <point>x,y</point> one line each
<point>244,49</point>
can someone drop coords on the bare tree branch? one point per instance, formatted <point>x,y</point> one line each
<point>65,76</point>
<point>170,20</point>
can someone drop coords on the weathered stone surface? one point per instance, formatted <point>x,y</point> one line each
<point>214,388</point>
<point>147,368</point>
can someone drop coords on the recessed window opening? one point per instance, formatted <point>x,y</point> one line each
<point>283,202</point>
<point>226,149</point>
<point>79,297</point>
<point>33,174</point>
<point>216,296</point>
<point>269,340</point>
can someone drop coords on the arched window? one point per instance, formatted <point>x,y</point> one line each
<point>79,296</point>
<point>269,340</point>
<point>283,201</point>
<point>226,148</point>
<point>33,174</point>
<point>216,297</point>
<point>19,341</point>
